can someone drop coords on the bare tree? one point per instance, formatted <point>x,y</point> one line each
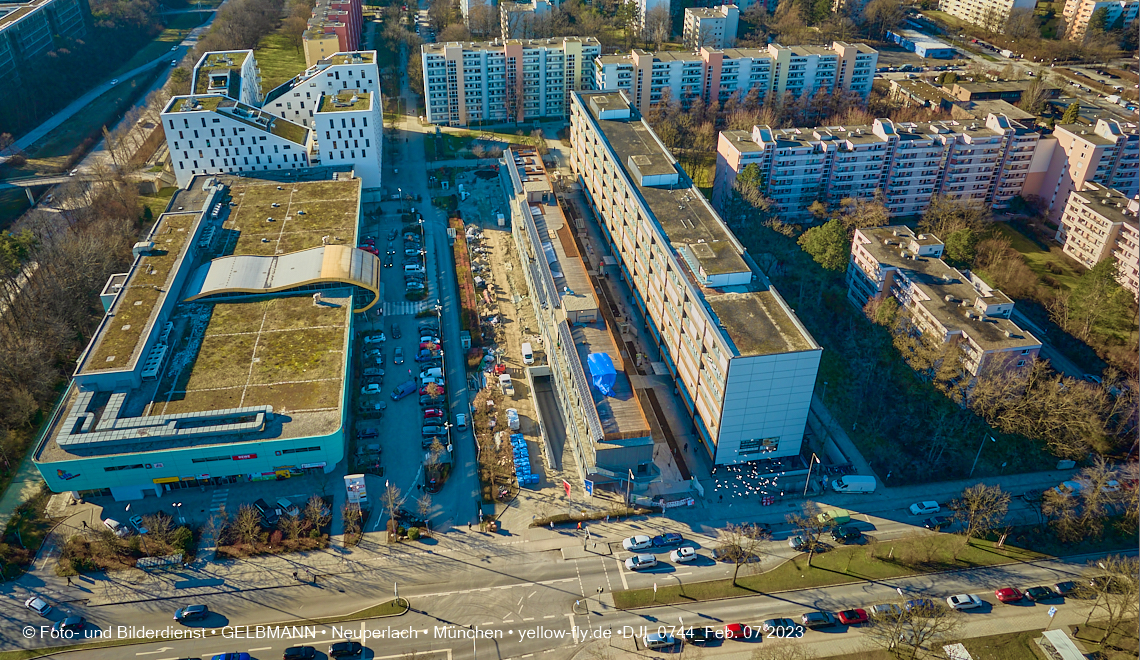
<point>352,521</point>
<point>980,508</point>
<point>391,497</point>
<point>1022,24</point>
<point>291,526</point>
<point>658,26</point>
<point>316,513</point>
<point>1114,582</point>
<point>739,545</point>
<point>247,524</point>
<point>904,633</point>
<point>811,526</point>
<point>158,527</point>
<point>790,649</point>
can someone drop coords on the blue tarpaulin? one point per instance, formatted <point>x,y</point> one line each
<point>602,372</point>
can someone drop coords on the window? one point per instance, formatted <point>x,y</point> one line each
<point>116,468</point>
<point>207,459</point>
<point>758,446</point>
<point>300,450</point>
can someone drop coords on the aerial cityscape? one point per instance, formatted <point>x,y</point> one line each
<point>772,330</point>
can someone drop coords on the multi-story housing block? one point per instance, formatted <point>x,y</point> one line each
<point>988,14</point>
<point>744,365</point>
<point>712,74</point>
<point>944,302</point>
<point>1107,153</point>
<point>334,27</point>
<point>1120,14</point>
<point>712,27</point>
<point>501,81</point>
<point>29,30</point>
<point>522,20</point>
<point>608,433</point>
<point>329,115</point>
<point>906,163</point>
<point>1100,223</point>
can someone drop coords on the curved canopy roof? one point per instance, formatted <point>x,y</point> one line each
<point>252,274</point>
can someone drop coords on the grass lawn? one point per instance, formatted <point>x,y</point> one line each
<point>13,202</point>
<point>1039,259</point>
<point>157,203</point>
<point>877,561</point>
<point>279,61</point>
<point>175,32</point>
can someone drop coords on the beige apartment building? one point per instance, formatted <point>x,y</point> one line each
<point>956,306</point>
<point>1107,153</point>
<point>983,162</point>
<point>744,365</point>
<point>1100,223</point>
<point>989,14</point>
<point>501,81</point>
<point>711,27</point>
<point>1078,12</point>
<point>711,74</point>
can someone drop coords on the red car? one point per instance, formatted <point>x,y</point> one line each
<point>428,346</point>
<point>852,617</point>
<point>424,390</point>
<point>432,412</point>
<point>369,248</point>
<point>1008,595</point>
<point>736,631</point>
<point>368,240</point>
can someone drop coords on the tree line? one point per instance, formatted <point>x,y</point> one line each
<point>240,24</point>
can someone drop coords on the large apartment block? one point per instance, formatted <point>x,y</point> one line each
<point>334,27</point>
<point>1100,223</point>
<point>744,365</point>
<point>1107,153</point>
<point>503,81</point>
<point>711,27</point>
<point>328,116</point>
<point>522,20</point>
<point>607,431</point>
<point>908,162</point>
<point>1120,14</point>
<point>944,302</point>
<point>988,14</point>
<point>29,30</point>
<point>718,74</point>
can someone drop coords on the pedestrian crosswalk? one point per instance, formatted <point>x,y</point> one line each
<point>218,500</point>
<point>406,307</point>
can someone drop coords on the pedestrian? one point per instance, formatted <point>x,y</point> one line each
<point>607,518</point>
<point>69,582</point>
<point>552,525</point>
<point>579,525</point>
<point>469,526</point>
<point>686,446</point>
<point>899,589</point>
<point>1076,630</point>
<point>85,524</point>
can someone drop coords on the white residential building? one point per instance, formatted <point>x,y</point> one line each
<point>907,163</point>
<point>1100,223</point>
<point>718,74</point>
<point>503,81</point>
<point>1121,14</point>
<point>329,115</point>
<point>1075,154</point>
<point>711,27</point>
<point>523,20</point>
<point>988,14</point>
<point>743,364</point>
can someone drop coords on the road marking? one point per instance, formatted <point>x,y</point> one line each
<point>161,650</point>
<point>528,618</point>
<point>531,593</point>
<point>262,648</point>
<point>550,616</point>
<point>621,573</point>
<point>487,623</point>
<point>573,629</point>
<point>508,620</point>
<point>681,574</point>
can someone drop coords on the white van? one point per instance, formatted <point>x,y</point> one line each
<point>854,483</point>
<point>527,353</point>
<point>412,268</point>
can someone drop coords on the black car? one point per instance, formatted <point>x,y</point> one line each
<point>431,401</point>
<point>299,653</point>
<point>815,620</point>
<point>1065,588</point>
<point>936,523</point>
<point>394,234</point>
<point>846,534</point>
<point>697,635</point>
<point>396,334</point>
<point>389,262</point>
<point>71,624</point>
<point>429,328</point>
<point>756,530</point>
<point>345,650</point>
<point>1036,594</point>
<point>192,613</point>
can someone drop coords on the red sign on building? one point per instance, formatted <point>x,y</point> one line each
<point>243,457</point>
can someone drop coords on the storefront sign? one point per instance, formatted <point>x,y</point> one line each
<point>307,466</point>
<point>243,457</point>
<point>166,480</point>
<point>203,477</point>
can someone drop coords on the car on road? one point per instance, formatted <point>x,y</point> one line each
<point>964,602</point>
<point>371,388</point>
<point>884,610</point>
<point>173,62</point>
<point>818,619</point>
<point>924,508</point>
<point>1036,594</point>
<point>345,650</point>
<point>114,81</point>
<point>697,635</point>
<point>73,172</point>
<point>231,656</point>
<point>137,523</point>
<point>461,422</point>
<point>919,605</point>
<point>660,641</point>
<point>288,507</point>
<point>847,534</point>
<point>389,262</point>
<point>38,605</point>
<point>191,613</point>
<point>70,624</point>
<point>635,543</point>
<point>299,653</point>
<point>1009,594</point>
<point>737,631</point>
<point>667,539</point>
<point>173,48</point>
<point>1065,588</point>
<point>398,356</point>
<point>683,555</point>
<point>396,332</point>
<point>936,523</point>
<point>640,562</point>
<point>853,617</point>
<point>433,413</point>
<point>785,626</point>
<point>394,234</point>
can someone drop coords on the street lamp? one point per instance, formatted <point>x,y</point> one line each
<point>983,444</point>
<point>178,509</point>
<point>811,464</point>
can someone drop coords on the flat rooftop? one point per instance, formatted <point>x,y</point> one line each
<point>763,325</point>
<point>358,57</point>
<point>924,90</point>
<point>345,102</point>
<point>1108,202</point>
<point>621,414</point>
<point>938,281</point>
<point>282,352</point>
<point>499,44</point>
<point>246,114</point>
<point>220,62</point>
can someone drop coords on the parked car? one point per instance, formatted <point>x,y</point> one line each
<point>1036,594</point>
<point>288,507</point>
<point>846,534</point>
<point>697,635</point>
<point>440,389</point>
<point>398,355</point>
<point>429,327</point>
<point>137,523</point>
<point>192,613</point>
<point>936,523</point>
<point>660,641</point>
<point>345,650</point>
<point>1065,588</point>
<point>396,333</point>
<point>372,354</point>
<point>432,401</point>
<point>433,431</point>
<point>640,562</point>
<point>667,539</point>
<point>370,389</point>
<point>884,610</point>
<point>683,555</point>
<point>924,508</point>
<point>373,372</point>
<point>817,619</point>
<point>117,527</point>
<point>855,617</point>
<point>964,602</point>
<point>70,624</point>
<point>1008,594</point>
<point>433,413</point>
<point>269,513</point>
<point>299,653</point>
<point>779,626</point>
<point>919,605</point>
<point>38,605</point>
<point>636,543</point>
<point>231,656</point>
<point>737,631</point>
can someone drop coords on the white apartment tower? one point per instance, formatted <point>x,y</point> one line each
<point>907,163</point>
<point>502,81</point>
<point>711,27</point>
<point>1077,13</point>
<point>1100,223</point>
<point>988,14</point>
